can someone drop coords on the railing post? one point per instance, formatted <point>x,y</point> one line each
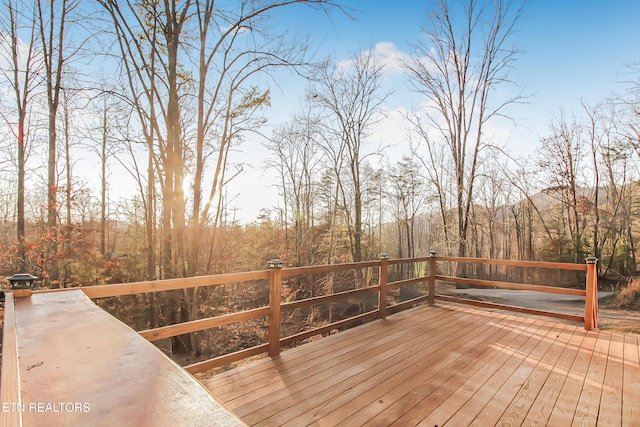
<point>382,282</point>
<point>275,294</point>
<point>591,302</point>
<point>432,277</point>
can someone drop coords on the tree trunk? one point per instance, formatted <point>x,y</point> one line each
<point>21,176</point>
<point>52,196</point>
<point>103,186</point>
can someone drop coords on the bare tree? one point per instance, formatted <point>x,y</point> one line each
<point>492,192</point>
<point>67,128</point>
<point>410,193</point>
<point>52,22</point>
<point>618,147</point>
<point>190,68</point>
<point>297,159</point>
<point>23,77</point>
<point>596,135</point>
<point>105,137</point>
<point>436,165</point>
<point>458,71</point>
<point>561,159</point>
<point>351,93</point>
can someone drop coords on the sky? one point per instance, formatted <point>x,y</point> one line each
<point>572,51</point>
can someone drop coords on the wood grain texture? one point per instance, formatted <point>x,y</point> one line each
<point>10,393</point>
<point>202,324</point>
<point>443,365</point>
<point>611,400</point>
<point>631,383</point>
<point>72,352</point>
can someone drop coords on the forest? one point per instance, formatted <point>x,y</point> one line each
<point>168,91</point>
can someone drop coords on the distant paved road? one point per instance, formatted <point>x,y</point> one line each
<point>569,304</point>
<point>620,320</point>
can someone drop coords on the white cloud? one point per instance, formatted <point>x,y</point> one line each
<point>385,54</point>
<point>389,56</point>
<point>390,133</point>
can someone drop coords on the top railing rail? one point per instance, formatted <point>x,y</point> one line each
<point>516,263</point>
<point>120,289</point>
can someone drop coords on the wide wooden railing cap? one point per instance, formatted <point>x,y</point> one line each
<point>75,365</point>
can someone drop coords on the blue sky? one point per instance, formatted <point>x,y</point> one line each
<point>572,51</point>
<point>577,49</point>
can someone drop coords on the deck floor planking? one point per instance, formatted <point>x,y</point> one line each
<point>443,365</point>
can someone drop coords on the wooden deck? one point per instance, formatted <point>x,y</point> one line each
<point>444,365</point>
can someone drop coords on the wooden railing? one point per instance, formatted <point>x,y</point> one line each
<point>590,292</point>
<point>276,306</point>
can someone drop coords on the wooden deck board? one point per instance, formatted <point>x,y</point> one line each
<point>345,375</point>
<point>586,413</point>
<point>545,402</point>
<point>517,410</point>
<point>542,342</point>
<point>631,385</point>
<point>400,375</point>
<point>474,380</point>
<point>299,355</point>
<point>300,364</point>
<point>611,402</point>
<point>444,382</point>
<point>481,389</point>
<point>567,402</point>
<point>414,387</point>
<point>330,374</point>
<point>443,365</point>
